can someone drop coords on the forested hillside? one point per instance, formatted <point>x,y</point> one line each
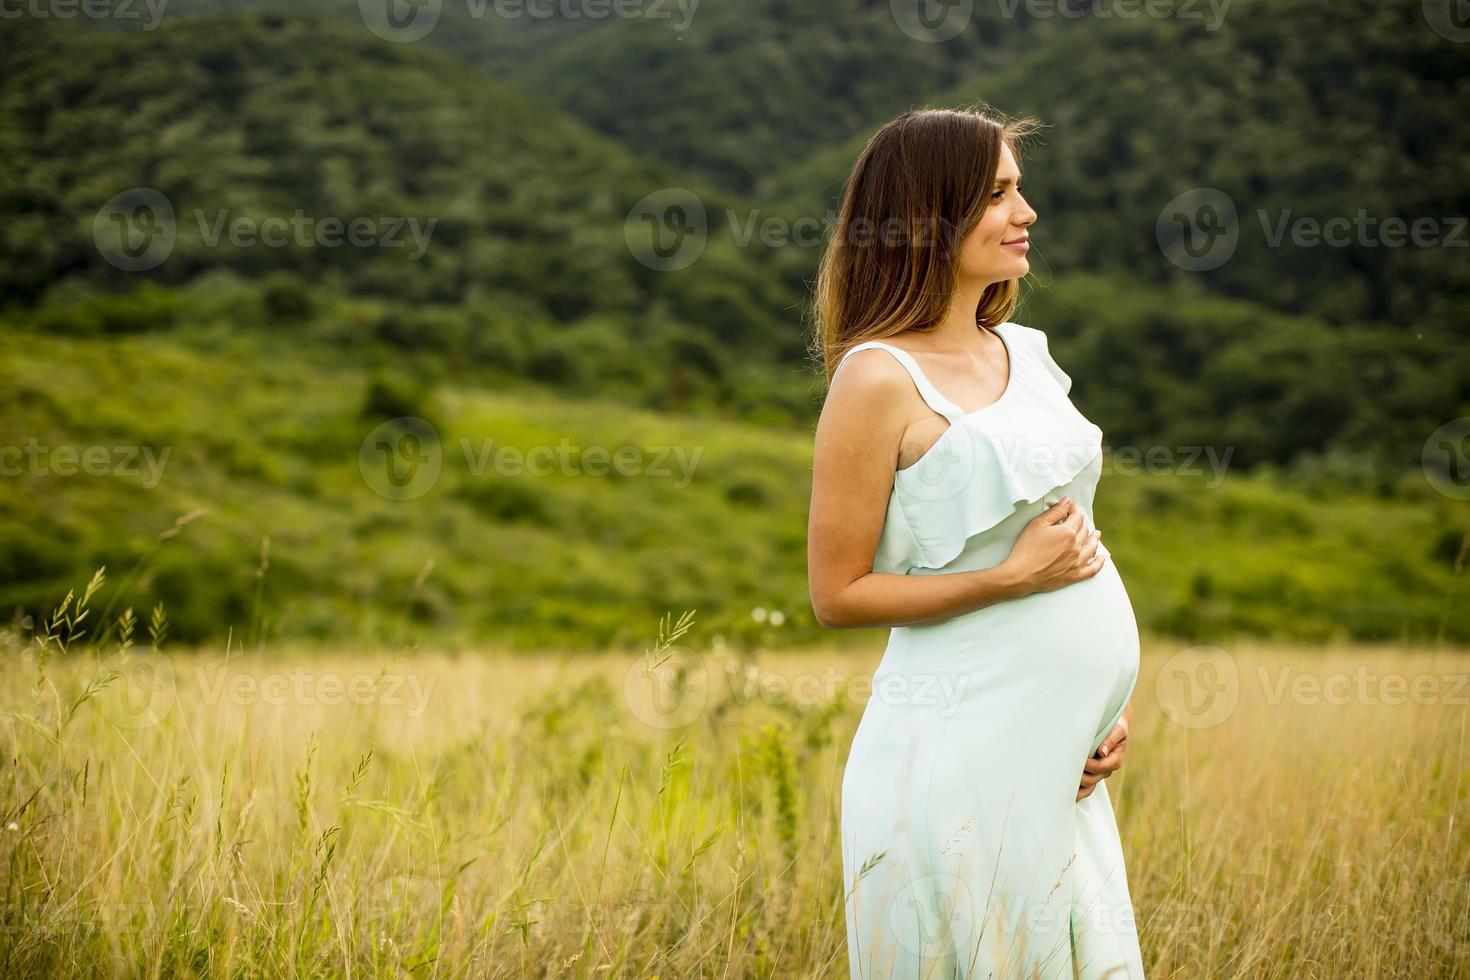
<point>537,290</point>
<point>1296,109</point>
<point>496,225</point>
<point>759,108</point>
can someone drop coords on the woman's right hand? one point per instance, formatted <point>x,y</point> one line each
<point>1056,548</point>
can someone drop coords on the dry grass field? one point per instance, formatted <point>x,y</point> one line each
<point>1287,813</point>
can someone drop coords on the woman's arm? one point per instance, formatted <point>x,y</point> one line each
<point>856,449</point>
<point>884,599</point>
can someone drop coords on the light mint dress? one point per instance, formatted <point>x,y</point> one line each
<point>965,852</point>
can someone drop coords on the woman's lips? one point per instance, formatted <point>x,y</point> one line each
<point>1019,245</point>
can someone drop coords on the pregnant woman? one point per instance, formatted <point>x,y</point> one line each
<point>952,497</point>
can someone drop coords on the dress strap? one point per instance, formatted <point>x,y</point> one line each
<point>927,391</point>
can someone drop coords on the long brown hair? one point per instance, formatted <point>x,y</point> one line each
<point>917,190</point>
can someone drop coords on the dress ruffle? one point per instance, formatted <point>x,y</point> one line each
<point>1052,367</point>
<point>989,463</point>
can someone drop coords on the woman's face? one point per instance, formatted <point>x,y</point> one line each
<point>996,250</point>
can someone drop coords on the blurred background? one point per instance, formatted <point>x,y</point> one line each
<point>485,322</point>
<point>406,415</point>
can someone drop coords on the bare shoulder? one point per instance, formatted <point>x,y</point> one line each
<point>870,404</point>
<point>870,383</point>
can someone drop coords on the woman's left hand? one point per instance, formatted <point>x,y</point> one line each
<point>1108,758</point>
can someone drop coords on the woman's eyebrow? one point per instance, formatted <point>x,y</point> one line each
<point>1002,181</point>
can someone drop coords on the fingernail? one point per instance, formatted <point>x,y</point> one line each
<point>1103,749</point>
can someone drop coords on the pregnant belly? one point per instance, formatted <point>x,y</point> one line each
<point>1056,668</point>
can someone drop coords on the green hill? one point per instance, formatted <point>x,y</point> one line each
<point>248,385</point>
<point>473,195</point>
<point>1299,117</point>
<point>1176,367</point>
<point>275,450</point>
<point>1297,113</point>
<point>529,273</point>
